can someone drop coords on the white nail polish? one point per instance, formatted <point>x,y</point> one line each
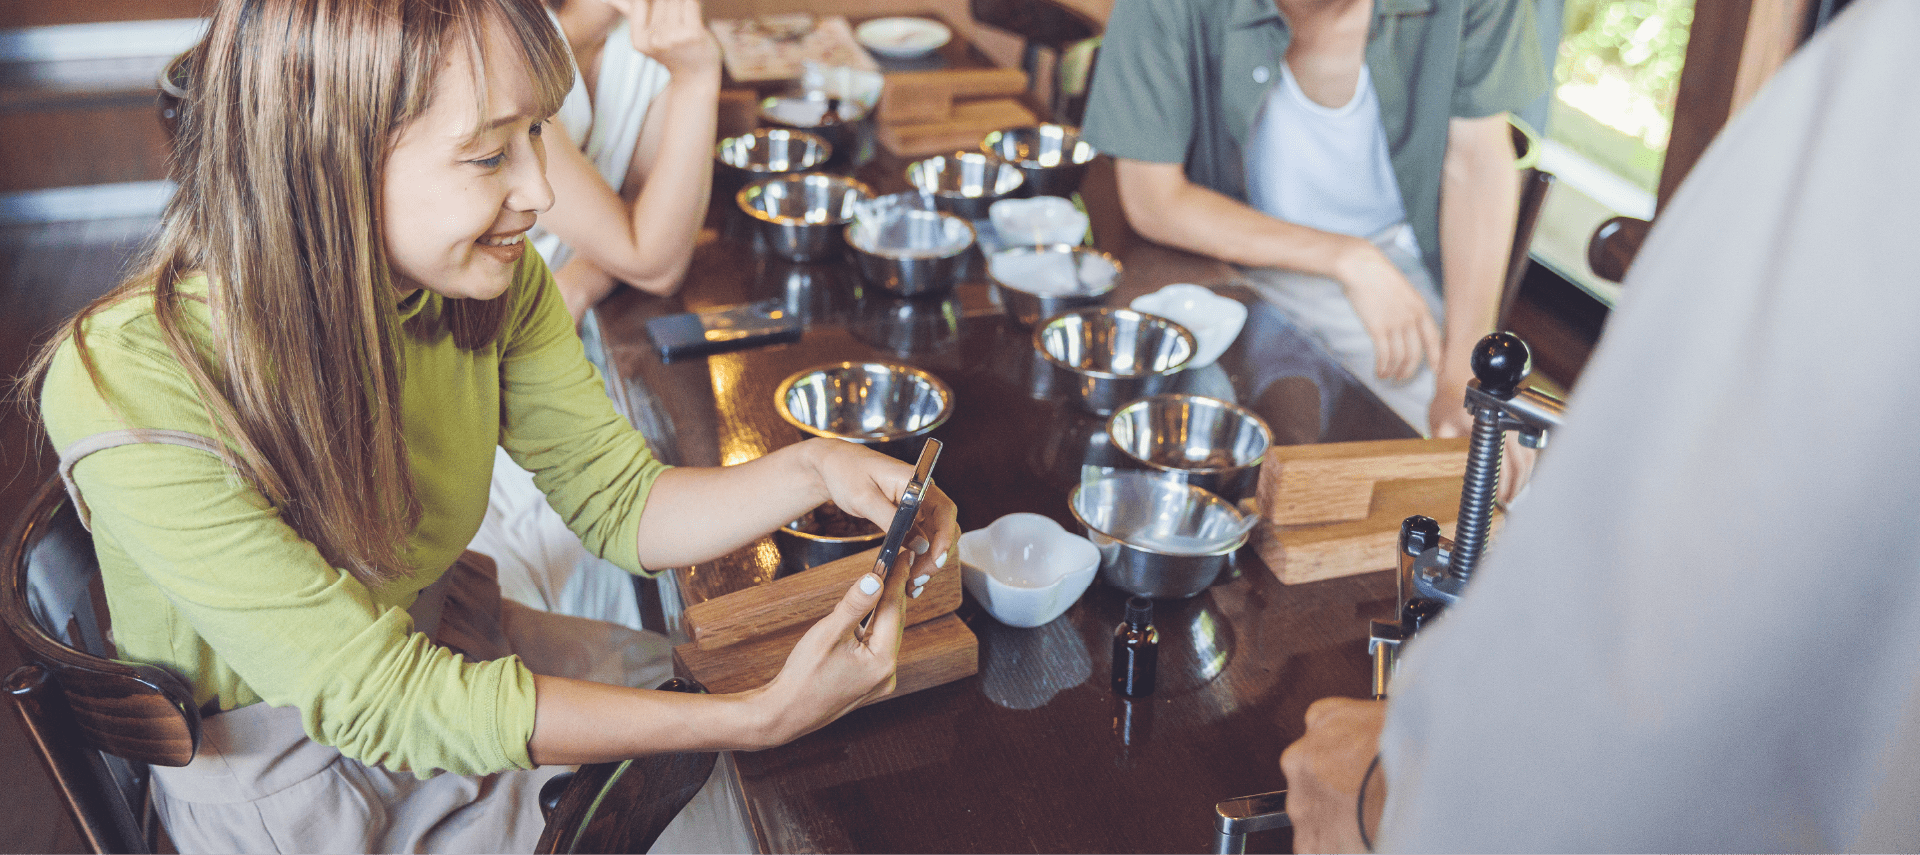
<point>920,546</point>
<point>916,592</point>
<point>941,561</point>
<point>922,580</point>
<point>869,585</point>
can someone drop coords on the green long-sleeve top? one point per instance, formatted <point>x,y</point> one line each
<point>203,576</point>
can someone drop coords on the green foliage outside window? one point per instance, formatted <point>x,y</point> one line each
<point>1618,72</point>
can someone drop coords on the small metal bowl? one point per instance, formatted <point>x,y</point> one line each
<point>803,216</point>
<point>1034,283</point>
<point>1157,537</point>
<point>1206,442</point>
<point>1118,355</point>
<point>772,151</point>
<point>802,547</point>
<point>1053,157</point>
<point>910,253</point>
<point>808,111</point>
<point>964,182</point>
<point>882,405</point>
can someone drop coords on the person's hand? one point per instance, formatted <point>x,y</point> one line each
<point>868,484</point>
<point>1396,317</point>
<point>672,33</point>
<point>1449,417</point>
<point>1324,768</point>
<point>831,671</point>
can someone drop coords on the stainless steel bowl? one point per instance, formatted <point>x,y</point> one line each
<point>1053,157</point>
<point>910,253</point>
<point>883,405</point>
<point>809,111</point>
<point>803,216</point>
<point>1206,442</point>
<point>1034,283</point>
<point>804,549</point>
<point>772,151</point>
<point>1118,355</point>
<point>965,183</point>
<point>1157,536</point>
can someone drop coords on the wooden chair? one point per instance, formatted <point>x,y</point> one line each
<point>1053,26</point>
<point>1534,184</point>
<point>97,722</point>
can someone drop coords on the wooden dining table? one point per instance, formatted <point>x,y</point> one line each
<point>1035,752</point>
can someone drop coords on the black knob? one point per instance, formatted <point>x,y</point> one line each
<point>1500,362</point>
<point>1419,534</point>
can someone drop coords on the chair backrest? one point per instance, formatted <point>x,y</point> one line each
<point>97,722</point>
<point>1534,184</point>
<point>1057,27</point>
<point>623,807</point>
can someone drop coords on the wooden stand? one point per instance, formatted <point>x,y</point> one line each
<point>1335,509</point>
<point>924,113</point>
<point>741,640</point>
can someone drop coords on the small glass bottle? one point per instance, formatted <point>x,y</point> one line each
<point>1136,650</point>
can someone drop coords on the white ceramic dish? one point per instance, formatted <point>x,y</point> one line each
<point>1214,320</point>
<point>1025,569</point>
<point>902,38</point>
<point>1037,221</point>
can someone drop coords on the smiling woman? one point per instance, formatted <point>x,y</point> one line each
<point>280,431</point>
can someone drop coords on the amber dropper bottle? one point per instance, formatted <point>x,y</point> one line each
<point>1136,650</point>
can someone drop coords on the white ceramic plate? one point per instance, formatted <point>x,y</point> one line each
<point>1214,320</point>
<point>902,38</point>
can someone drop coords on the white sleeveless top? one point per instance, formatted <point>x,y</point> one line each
<point>607,125</point>
<point>1323,167</point>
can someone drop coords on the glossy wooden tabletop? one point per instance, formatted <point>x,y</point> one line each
<point>1035,753</point>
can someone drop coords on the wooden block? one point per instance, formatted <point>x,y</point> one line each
<point>962,130</point>
<point>929,96</point>
<point>1309,553</point>
<point>802,599</point>
<point>1333,481</point>
<point>932,653</point>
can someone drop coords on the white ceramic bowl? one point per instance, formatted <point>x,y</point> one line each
<point>902,38</point>
<point>1214,320</point>
<point>1025,569</point>
<point>1037,221</point>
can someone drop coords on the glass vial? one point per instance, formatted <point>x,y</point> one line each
<point>1136,650</point>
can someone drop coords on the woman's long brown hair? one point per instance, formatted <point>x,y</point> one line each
<point>292,108</point>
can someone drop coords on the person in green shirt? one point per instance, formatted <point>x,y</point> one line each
<point>280,431</point>
<point>1351,155</point>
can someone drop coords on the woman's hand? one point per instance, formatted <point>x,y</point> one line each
<point>832,671</point>
<point>1396,317</point>
<point>672,33</point>
<point>1325,768</point>
<point>868,484</point>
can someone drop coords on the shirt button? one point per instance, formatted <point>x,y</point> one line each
<point>1260,74</point>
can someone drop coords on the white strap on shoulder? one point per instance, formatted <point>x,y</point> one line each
<point>113,439</point>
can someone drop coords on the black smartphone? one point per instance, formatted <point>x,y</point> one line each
<point>700,333</point>
<point>903,517</point>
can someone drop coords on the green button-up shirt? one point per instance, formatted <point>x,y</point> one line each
<point>1181,81</point>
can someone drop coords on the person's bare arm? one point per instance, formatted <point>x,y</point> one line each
<point>645,235</point>
<point>1325,768</point>
<point>1164,206</point>
<point>1479,205</point>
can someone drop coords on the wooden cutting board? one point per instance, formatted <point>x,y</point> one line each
<point>933,653</point>
<point>802,599</point>
<point>960,131</point>
<point>915,97</point>
<point>1334,481</point>
<point>1309,553</point>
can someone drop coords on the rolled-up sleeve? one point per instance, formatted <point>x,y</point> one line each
<point>1501,68</point>
<point>1141,103</point>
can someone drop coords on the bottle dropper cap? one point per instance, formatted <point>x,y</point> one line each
<point>1139,612</point>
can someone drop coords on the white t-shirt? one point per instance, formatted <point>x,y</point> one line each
<point>1323,167</point>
